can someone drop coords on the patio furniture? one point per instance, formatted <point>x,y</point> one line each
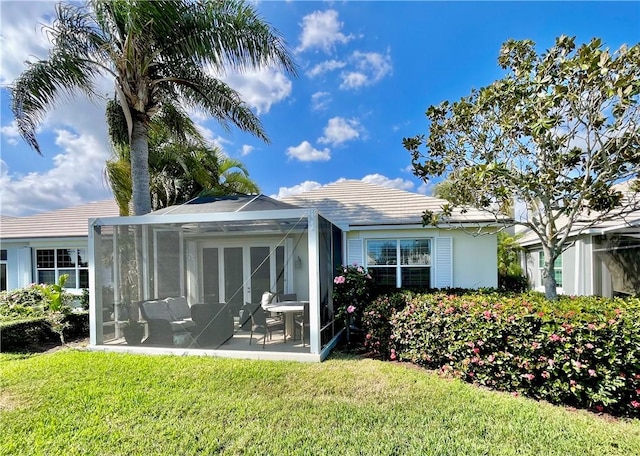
<point>288,309</point>
<point>165,317</point>
<point>262,324</point>
<point>208,324</point>
<point>214,324</point>
<point>302,322</point>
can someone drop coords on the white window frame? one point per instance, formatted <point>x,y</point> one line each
<point>57,269</point>
<point>398,264</point>
<point>555,268</point>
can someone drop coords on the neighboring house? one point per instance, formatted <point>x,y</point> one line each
<point>41,247</point>
<point>601,259</point>
<point>224,253</point>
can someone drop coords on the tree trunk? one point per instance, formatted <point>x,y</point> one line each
<point>549,276</point>
<point>140,168</point>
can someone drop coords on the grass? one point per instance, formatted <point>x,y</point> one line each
<point>75,402</point>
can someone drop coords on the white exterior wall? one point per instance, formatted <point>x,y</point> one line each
<point>578,273</point>
<point>475,258</point>
<point>21,263</point>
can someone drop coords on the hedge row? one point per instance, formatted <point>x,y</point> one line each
<point>32,334</point>
<point>583,352</point>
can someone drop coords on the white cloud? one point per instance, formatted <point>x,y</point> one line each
<point>306,152</point>
<point>425,189</point>
<point>379,179</point>
<point>339,130</point>
<point>246,149</point>
<point>10,132</point>
<point>322,30</point>
<point>323,67</point>
<point>320,101</point>
<point>296,189</point>
<point>21,36</point>
<point>370,68</point>
<point>261,88</point>
<point>76,177</point>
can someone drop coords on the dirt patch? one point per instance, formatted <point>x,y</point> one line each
<point>78,344</point>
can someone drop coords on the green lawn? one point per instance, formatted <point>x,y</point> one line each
<point>75,402</point>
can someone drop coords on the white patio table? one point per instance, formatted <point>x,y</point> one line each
<point>289,309</point>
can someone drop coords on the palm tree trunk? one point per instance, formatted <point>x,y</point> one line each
<point>140,168</point>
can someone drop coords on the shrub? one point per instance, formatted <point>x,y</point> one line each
<point>376,322</point>
<point>35,333</point>
<point>47,301</point>
<point>351,292</point>
<point>583,352</point>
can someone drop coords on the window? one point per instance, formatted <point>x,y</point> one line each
<point>400,262</point>
<point>3,270</point>
<point>557,269</point>
<point>52,263</point>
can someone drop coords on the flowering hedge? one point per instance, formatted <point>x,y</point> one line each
<point>351,292</point>
<point>583,352</point>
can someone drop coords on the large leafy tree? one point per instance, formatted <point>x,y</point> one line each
<point>182,164</point>
<point>558,133</point>
<point>157,52</point>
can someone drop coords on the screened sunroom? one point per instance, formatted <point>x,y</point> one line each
<point>237,276</point>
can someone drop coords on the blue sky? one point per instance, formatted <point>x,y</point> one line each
<point>368,72</point>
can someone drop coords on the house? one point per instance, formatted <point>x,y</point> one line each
<point>602,258</point>
<point>41,247</point>
<point>196,274</point>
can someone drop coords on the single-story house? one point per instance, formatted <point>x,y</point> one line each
<point>601,259</point>
<point>198,276</point>
<point>39,248</point>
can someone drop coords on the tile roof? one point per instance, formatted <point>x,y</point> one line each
<point>358,203</point>
<point>616,221</point>
<point>67,222</point>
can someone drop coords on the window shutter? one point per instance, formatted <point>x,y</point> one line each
<point>354,251</point>
<point>24,267</point>
<point>444,263</point>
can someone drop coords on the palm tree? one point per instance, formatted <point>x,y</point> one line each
<point>157,52</point>
<point>182,166</point>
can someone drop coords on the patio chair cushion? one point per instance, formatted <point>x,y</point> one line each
<point>267,297</point>
<point>157,310</point>
<point>182,325</point>
<point>179,308</point>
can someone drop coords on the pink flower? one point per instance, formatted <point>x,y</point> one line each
<point>351,309</point>
<point>529,376</point>
<point>392,356</point>
<point>554,337</point>
<point>589,346</point>
<point>491,358</point>
<point>635,404</point>
<point>591,326</point>
<point>592,373</point>
<point>515,393</point>
<point>572,382</point>
<point>339,279</point>
<point>599,408</point>
<point>487,314</point>
<point>368,336</point>
<point>545,374</point>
